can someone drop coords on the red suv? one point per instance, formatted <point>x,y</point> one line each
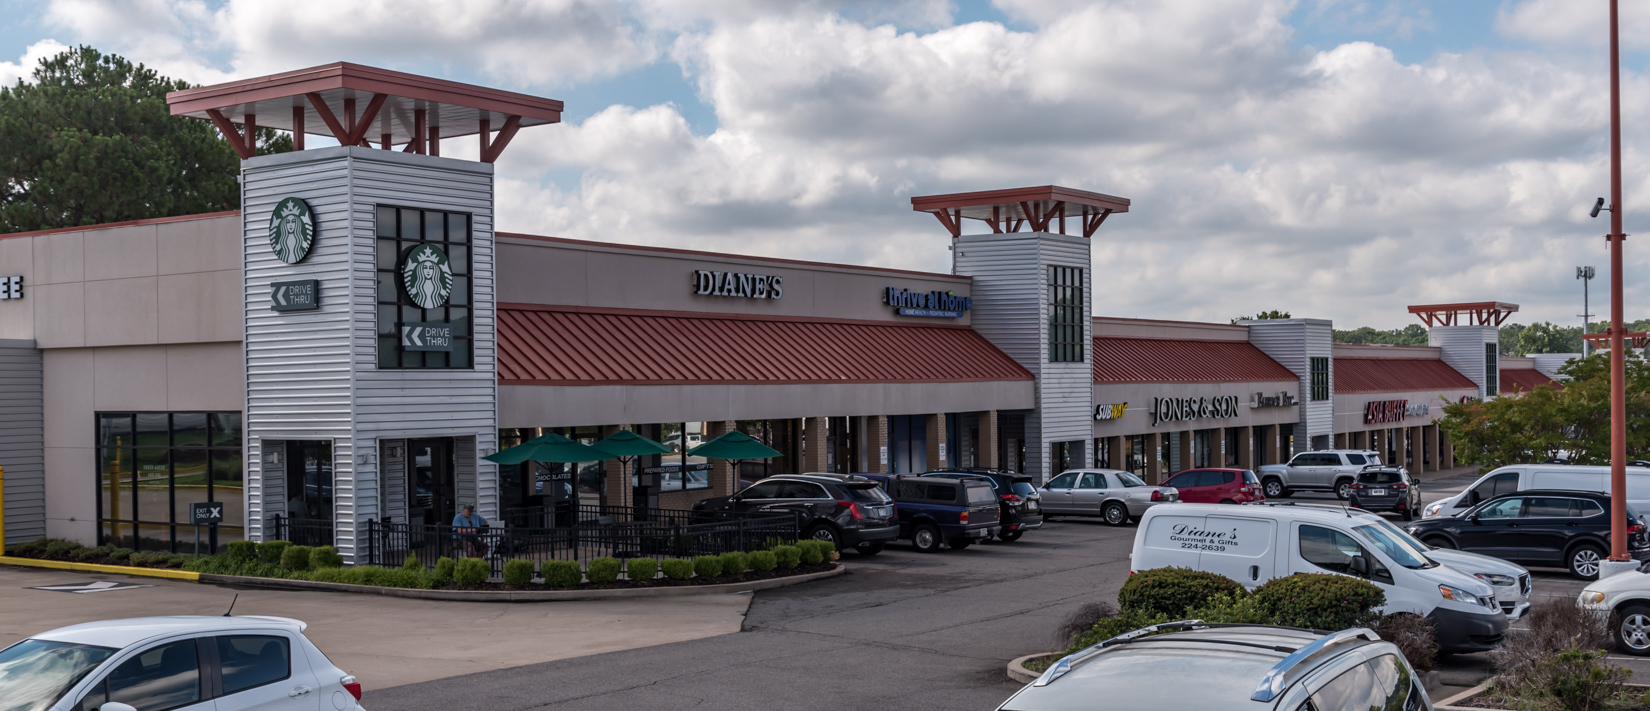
<point>1217,486</point>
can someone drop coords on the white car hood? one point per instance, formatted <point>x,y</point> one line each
<point>1470,563</point>
<point>1446,575</point>
<point>1621,582</point>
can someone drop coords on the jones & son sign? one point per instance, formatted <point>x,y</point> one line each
<point>1172,409</point>
<point>745,286</point>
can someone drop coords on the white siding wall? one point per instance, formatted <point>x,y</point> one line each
<point>1463,348</point>
<point>22,440</point>
<point>1293,343</point>
<point>313,374</point>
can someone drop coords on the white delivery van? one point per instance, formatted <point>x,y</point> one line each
<point>1253,544</point>
<point>1521,477</point>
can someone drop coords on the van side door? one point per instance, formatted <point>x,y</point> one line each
<point>1487,488</point>
<point>1239,547</point>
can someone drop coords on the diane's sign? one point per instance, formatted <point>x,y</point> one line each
<point>1110,412</point>
<point>1379,412</point>
<point>744,286</point>
<point>1172,409</point>
<point>1282,399</point>
<point>932,304</point>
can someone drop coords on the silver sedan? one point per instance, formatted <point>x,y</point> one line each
<point>1116,496</point>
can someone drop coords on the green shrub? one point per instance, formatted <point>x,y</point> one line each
<point>1171,592</point>
<point>763,561</point>
<point>328,575</point>
<point>787,556</point>
<point>120,554</point>
<point>1232,609</point>
<point>412,564</point>
<point>733,563</point>
<point>296,557</point>
<point>60,548</point>
<point>472,571</point>
<point>707,566</point>
<point>677,568</point>
<point>325,557</point>
<point>603,570</point>
<point>562,573</point>
<point>446,570</point>
<point>641,568</point>
<point>148,559</point>
<point>97,553</point>
<point>810,552</point>
<point>518,572</point>
<point>241,550</point>
<point>270,551</point>
<point>28,550</point>
<point>1321,601</point>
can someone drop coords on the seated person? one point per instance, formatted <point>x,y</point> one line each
<point>467,527</point>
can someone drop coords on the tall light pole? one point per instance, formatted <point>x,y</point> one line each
<point>1618,353</point>
<point>1585,274</point>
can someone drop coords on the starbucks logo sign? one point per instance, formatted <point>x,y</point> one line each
<point>426,275</point>
<point>291,230</point>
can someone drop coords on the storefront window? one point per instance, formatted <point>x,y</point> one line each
<point>783,437</point>
<point>153,465</point>
<point>908,443</point>
<point>1320,379</point>
<point>1492,369</point>
<point>400,230</point>
<point>1065,314</point>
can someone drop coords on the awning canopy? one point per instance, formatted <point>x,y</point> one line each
<point>1355,376</point>
<point>1167,360</point>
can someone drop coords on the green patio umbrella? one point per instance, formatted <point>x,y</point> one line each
<point>625,444</point>
<point>552,448</point>
<point>734,445</point>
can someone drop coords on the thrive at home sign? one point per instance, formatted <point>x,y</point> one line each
<point>746,286</point>
<point>932,304</point>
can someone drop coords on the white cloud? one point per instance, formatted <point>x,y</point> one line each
<point>23,68</point>
<point>1582,24</point>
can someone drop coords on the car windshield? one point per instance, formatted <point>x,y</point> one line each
<point>35,672</point>
<point>1024,488</point>
<point>1400,546</point>
<point>866,494</point>
<point>1128,480</point>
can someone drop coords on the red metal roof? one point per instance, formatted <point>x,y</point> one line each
<point>540,345</point>
<point>1162,360</point>
<point>1397,375</point>
<point>1011,209</point>
<point>1523,380</point>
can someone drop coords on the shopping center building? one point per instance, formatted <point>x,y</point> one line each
<point>351,344</point>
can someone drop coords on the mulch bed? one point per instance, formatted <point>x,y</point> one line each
<point>660,582</point>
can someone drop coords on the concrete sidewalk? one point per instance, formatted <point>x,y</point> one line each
<point>386,641</point>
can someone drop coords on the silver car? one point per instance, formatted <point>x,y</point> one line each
<point>1201,666</point>
<point>1116,496</point>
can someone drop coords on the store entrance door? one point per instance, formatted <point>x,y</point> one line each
<point>430,478</point>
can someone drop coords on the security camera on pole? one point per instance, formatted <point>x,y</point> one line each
<point>1619,560</point>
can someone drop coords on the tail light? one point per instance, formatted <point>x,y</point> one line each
<point>1635,528</point>
<point>1012,498</point>
<point>963,518</point>
<point>1357,485</point>
<point>352,686</point>
<point>1157,494</point>
<point>1400,486</point>
<point>853,508</point>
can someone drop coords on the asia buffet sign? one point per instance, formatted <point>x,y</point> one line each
<point>1379,412</point>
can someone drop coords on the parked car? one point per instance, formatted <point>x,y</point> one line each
<point>1625,598</point>
<point>958,512</point>
<point>1539,527</point>
<point>1216,486</point>
<point>1323,470</point>
<point>1230,667</point>
<point>1387,489</point>
<point>1116,496</point>
<point>1522,477</point>
<point>850,511</point>
<point>1020,507</point>
<point>183,663</point>
<point>1257,543</point>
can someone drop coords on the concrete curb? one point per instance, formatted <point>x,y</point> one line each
<point>522,595</point>
<point>1017,669</point>
<point>167,573</point>
<point>1446,704</point>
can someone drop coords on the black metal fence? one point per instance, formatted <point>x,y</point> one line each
<point>302,532</point>
<point>588,532</point>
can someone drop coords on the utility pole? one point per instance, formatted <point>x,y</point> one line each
<point>1618,351</point>
<point>1585,274</point>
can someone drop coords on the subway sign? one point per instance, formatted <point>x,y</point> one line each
<point>932,304</point>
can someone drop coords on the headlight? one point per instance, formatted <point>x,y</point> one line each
<point>1432,509</point>
<point>1496,579</point>
<point>1459,595</point>
<point>1591,597</point>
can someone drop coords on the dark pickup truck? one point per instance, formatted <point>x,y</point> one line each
<point>934,509</point>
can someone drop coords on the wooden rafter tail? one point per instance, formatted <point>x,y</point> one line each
<point>328,118</point>
<point>945,219</point>
<point>505,133</point>
<point>230,133</point>
<point>997,219</point>
<point>367,118</point>
<point>1030,215</point>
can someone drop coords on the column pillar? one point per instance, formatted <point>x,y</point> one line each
<point>876,441</point>
<point>1448,447</point>
<point>813,444</point>
<point>1376,444</point>
<point>1431,438</point>
<point>1340,440</point>
<point>1114,454</point>
<point>1418,442</point>
<point>1246,447</point>
<point>987,445</point>
<point>1217,447</point>
<point>1185,452</point>
<point>1400,446</point>
<point>723,480</point>
<point>1154,458</point>
<point>1268,435</point>
<point>617,474</point>
<point>937,448</point>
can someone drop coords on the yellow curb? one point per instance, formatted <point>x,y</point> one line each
<point>96,568</point>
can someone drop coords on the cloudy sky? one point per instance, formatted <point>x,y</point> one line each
<point>1333,158</point>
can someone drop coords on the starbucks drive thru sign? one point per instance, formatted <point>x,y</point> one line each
<point>291,230</point>
<point>426,275</point>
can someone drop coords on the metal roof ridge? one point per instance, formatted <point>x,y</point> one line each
<point>720,255</point>
<point>722,315</point>
<point>124,223</point>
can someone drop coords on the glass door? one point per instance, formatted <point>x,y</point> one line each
<point>430,478</point>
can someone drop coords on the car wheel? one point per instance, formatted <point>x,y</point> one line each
<point>1439,542</point>
<point>1409,513</point>
<point>1010,536</point>
<point>1228,501</point>
<point>1632,630</point>
<point>1343,489</point>
<point>958,544</point>
<point>869,548</point>
<point>1585,561</point>
<point>1274,488</point>
<point>1116,514</point>
<point>826,532</point>
<point>926,538</point>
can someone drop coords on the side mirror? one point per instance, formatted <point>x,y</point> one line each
<point>116,706</point>
<point>1474,496</point>
<point>1473,518</point>
<point>1360,566</point>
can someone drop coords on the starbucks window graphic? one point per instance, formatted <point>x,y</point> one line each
<point>291,230</point>
<point>424,299</point>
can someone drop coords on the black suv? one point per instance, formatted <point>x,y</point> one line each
<point>847,510</point>
<point>1537,527</point>
<point>1022,508</point>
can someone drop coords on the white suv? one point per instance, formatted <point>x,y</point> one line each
<point>1323,470</point>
